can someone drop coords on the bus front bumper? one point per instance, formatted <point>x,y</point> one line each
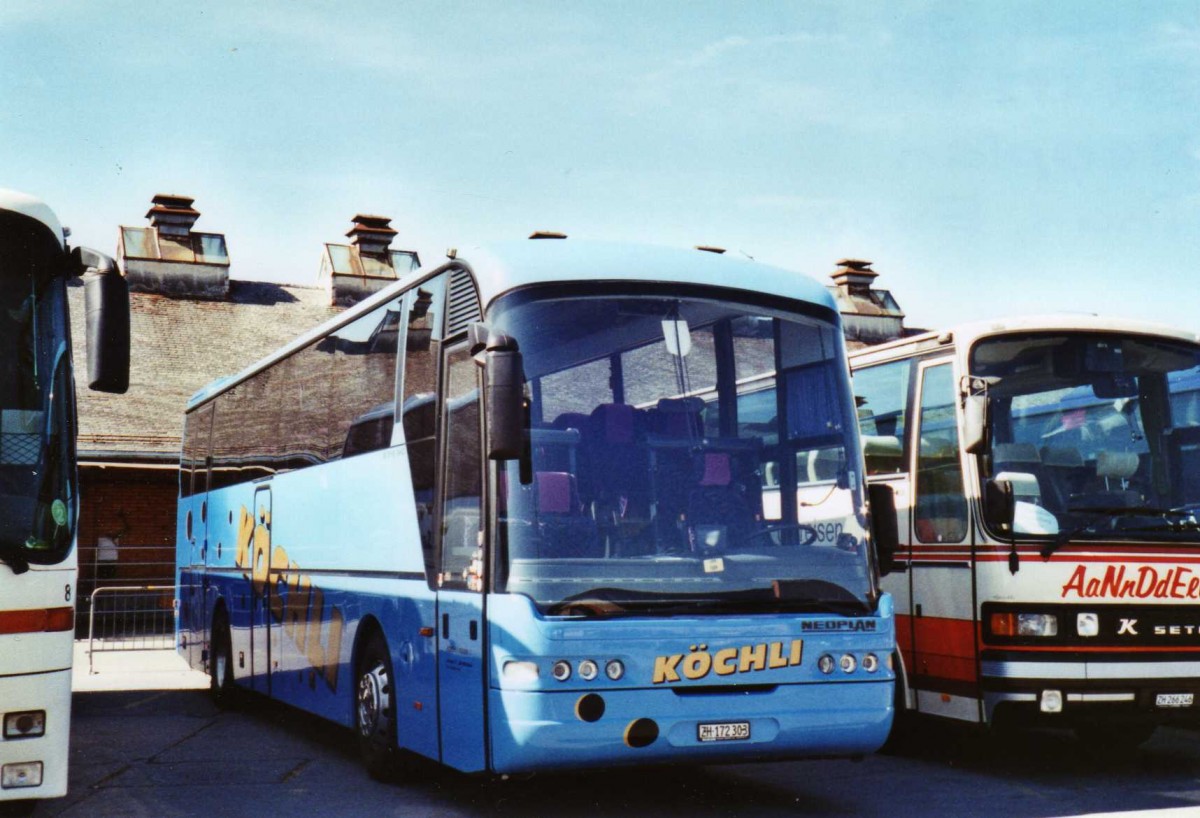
<point>36,767</point>
<point>544,730</point>
<point>1066,693</point>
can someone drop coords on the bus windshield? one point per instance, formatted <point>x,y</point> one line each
<point>685,455</point>
<point>1098,434</point>
<point>37,491</point>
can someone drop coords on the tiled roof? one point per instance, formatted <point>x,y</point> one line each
<point>179,345</point>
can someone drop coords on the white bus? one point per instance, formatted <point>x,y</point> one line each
<point>39,496</point>
<point>1047,479</point>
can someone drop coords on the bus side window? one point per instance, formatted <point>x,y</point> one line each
<point>364,369</point>
<point>462,495</point>
<point>941,511</point>
<point>422,315</point>
<point>882,396</point>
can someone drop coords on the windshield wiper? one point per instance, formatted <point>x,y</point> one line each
<point>1100,512</point>
<point>808,595</point>
<point>14,558</point>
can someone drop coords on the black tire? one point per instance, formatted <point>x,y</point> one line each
<point>375,709</point>
<point>1108,740</point>
<point>220,665</point>
<point>17,809</point>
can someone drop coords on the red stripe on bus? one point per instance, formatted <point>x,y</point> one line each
<point>38,620</point>
<point>946,647</point>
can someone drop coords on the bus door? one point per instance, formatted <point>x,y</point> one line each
<point>260,597</point>
<point>944,668</point>
<point>194,560</point>
<point>460,622</point>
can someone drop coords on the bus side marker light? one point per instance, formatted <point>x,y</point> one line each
<point>1087,624</point>
<point>1051,701</point>
<point>523,672</point>
<point>27,724</point>
<point>22,774</point>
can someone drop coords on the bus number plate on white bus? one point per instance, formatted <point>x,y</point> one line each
<point>1174,700</point>
<point>723,731</point>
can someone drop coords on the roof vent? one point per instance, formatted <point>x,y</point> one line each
<point>169,258</point>
<point>547,234</point>
<point>371,234</point>
<point>854,275</point>
<point>172,215</point>
<point>351,272</point>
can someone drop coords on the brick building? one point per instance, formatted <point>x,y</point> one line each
<point>191,322</point>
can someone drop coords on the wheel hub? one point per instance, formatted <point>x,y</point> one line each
<point>373,700</point>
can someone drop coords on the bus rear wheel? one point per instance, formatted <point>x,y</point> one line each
<point>220,666</point>
<point>375,709</point>
<point>1114,739</point>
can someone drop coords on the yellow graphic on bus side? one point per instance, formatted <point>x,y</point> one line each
<point>293,601</point>
<point>698,662</point>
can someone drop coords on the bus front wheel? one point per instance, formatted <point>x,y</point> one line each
<point>220,666</point>
<point>375,709</point>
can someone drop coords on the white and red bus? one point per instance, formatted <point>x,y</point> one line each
<point>1047,481</point>
<point>39,490</point>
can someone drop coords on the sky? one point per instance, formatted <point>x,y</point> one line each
<point>990,158</point>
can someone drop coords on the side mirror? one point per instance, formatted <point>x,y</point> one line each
<point>999,503</point>
<point>884,531</point>
<point>503,391</point>
<point>106,309</point>
<point>975,424</point>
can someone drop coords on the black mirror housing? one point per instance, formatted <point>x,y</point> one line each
<point>884,530</point>
<point>999,503</point>
<point>106,309</point>
<point>975,424</point>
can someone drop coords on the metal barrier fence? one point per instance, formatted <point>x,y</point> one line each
<point>131,617</point>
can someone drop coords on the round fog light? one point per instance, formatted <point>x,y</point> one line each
<point>870,663</point>
<point>825,664</point>
<point>561,670</point>
<point>614,669</point>
<point>588,670</point>
<point>848,663</point>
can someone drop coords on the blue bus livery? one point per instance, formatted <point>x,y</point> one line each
<point>486,517</point>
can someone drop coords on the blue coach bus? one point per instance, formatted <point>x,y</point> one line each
<point>485,517</point>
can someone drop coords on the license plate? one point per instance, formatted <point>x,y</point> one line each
<point>723,731</point>
<point>1174,700</point>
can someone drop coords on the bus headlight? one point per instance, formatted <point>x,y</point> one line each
<point>1032,624</point>
<point>520,672</point>
<point>1087,624</point>
<point>26,724</point>
<point>870,663</point>
<point>588,670</point>
<point>614,670</point>
<point>1024,624</point>
<point>826,664</point>
<point>23,774</point>
<point>848,663</point>
<point>561,670</point>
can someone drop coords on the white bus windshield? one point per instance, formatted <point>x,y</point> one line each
<point>668,471</point>
<point>1099,435</point>
<point>36,478</point>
